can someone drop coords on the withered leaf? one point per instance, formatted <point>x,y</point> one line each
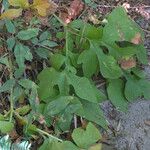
<point>74,10</point>
<point>137,39</point>
<point>127,63</point>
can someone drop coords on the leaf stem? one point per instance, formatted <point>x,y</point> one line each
<point>49,135</point>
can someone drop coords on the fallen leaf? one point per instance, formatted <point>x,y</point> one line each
<point>74,10</point>
<point>11,14</point>
<point>137,39</point>
<point>20,3</point>
<point>44,7</point>
<point>94,19</point>
<point>28,15</point>
<point>127,63</point>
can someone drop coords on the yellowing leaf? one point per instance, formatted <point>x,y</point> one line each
<point>11,14</point>
<point>20,3</point>
<point>43,6</point>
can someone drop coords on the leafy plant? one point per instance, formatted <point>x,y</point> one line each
<point>65,89</point>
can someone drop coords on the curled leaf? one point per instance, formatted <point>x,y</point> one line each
<point>20,3</point>
<point>11,14</point>
<point>137,39</point>
<point>127,63</point>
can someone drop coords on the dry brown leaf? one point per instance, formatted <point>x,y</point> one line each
<point>44,7</point>
<point>11,14</point>
<point>137,39</point>
<point>94,19</point>
<point>127,63</point>
<point>20,3</point>
<point>74,10</point>
<point>28,15</point>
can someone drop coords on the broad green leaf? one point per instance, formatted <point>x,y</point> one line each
<point>7,86</point>
<point>10,26</point>
<point>92,32</point>
<point>20,3</point>
<point>11,14</point>
<point>108,65</point>
<point>139,73</point>
<point>116,30</point>
<point>92,112</point>
<point>57,105</point>
<point>6,126</point>
<point>86,138</point>
<point>22,53</point>
<point>49,78</point>
<point>116,95</point>
<point>49,144</point>
<point>132,89</point>
<point>69,146</point>
<point>82,87</point>
<point>28,34</point>
<point>135,88</point>
<point>89,62</point>
<point>142,54</point>
<point>57,60</point>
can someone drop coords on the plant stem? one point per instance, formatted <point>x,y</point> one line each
<point>60,20</point>
<point>11,91</point>
<point>49,135</point>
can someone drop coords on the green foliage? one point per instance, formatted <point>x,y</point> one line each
<point>61,87</point>
<point>84,139</point>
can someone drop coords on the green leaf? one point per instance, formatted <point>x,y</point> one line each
<point>108,65</point>
<point>44,36</point>
<point>48,43</point>
<point>28,84</point>
<point>116,95</point>
<point>116,30</point>
<point>135,88</point>
<point>96,147</point>
<point>142,54</point>
<point>4,61</point>
<point>57,105</point>
<point>6,126</point>
<point>23,110</point>
<point>82,87</point>
<point>86,138</point>
<point>92,112</point>
<point>10,26</point>
<point>92,32</point>
<point>57,60</point>
<point>52,145</point>
<point>28,34</point>
<point>132,89</point>
<point>11,42</point>
<point>69,146</point>
<point>89,62</point>
<point>42,52</point>
<point>7,86</point>
<point>49,78</point>
<point>22,53</point>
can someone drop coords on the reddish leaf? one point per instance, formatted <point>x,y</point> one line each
<point>74,10</point>
<point>137,39</point>
<point>127,63</point>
